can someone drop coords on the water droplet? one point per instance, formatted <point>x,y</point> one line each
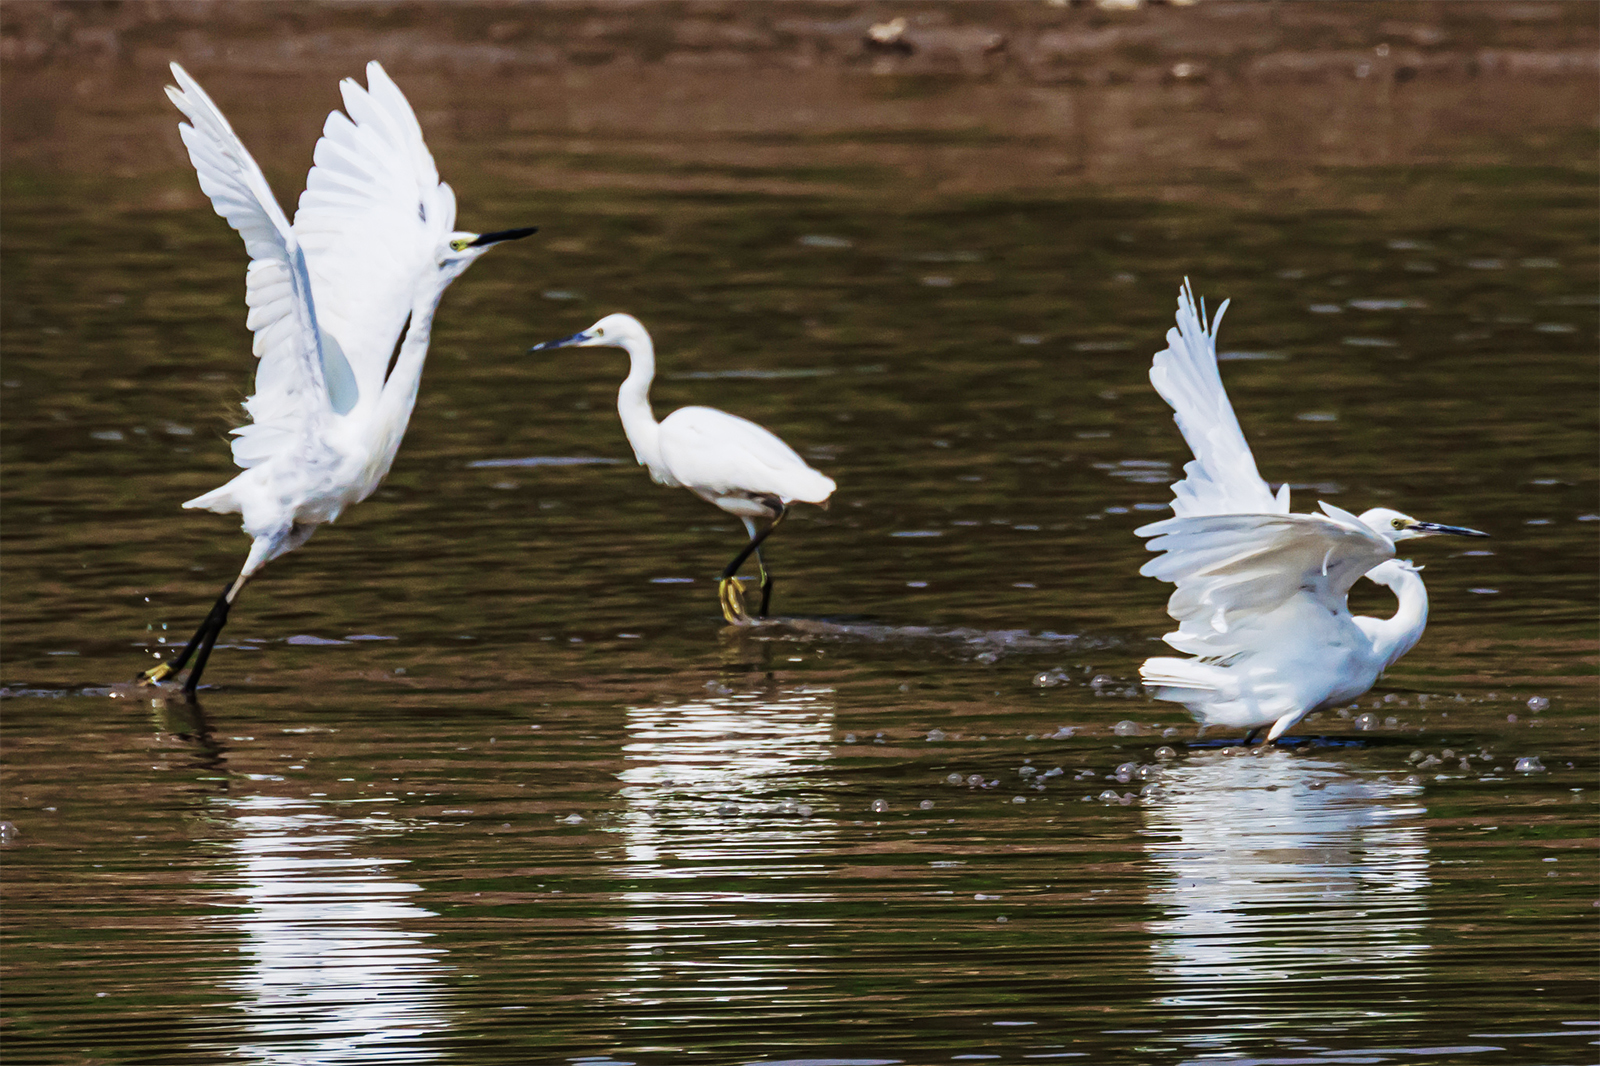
<point>1367,721</point>
<point>1537,704</point>
<point>879,806</point>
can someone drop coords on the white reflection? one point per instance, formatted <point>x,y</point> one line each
<point>331,975</point>
<point>1274,868</point>
<point>726,787</point>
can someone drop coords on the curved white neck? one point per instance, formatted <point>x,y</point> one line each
<point>1394,636</point>
<point>633,399</point>
<point>399,394</point>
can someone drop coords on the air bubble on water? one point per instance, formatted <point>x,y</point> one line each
<point>1529,764</point>
<point>1052,678</point>
<point>1165,753</point>
<point>573,819</point>
<point>1537,704</point>
<point>1412,780</point>
<point>1447,753</point>
<point>1391,722</point>
<point>788,807</point>
<point>727,810</point>
<point>1057,772</point>
<point>805,810</point>
<point>1063,733</point>
<point>988,658</point>
<point>1126,799</point>
<point>935,735</point>
<point>1126,728</point>
<point>1367,721</point>
<point>1110,795</point>
<point>1100,681</point>
<point>849,738</point>
<point>1151,791</point>
<point>1147,772</point>
<point>879,806</point>
<point>1169,733</point>
<point>926,805</point>
<point>1019,799</point>
<point>1027,771</point>
<point>953,779</point>
<point>1125,772</point>
<point>1415,755</point>
<point>1511,718</point>
<point>974,780</point>
<point>1002,919</point>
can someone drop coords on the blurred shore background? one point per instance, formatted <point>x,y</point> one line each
<point>938,98</point>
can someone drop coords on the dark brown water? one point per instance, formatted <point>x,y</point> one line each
<point>481,776</point>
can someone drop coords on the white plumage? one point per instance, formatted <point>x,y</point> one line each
<point>726,460</point>
<point>372,244</point>
<point>1261,593</point>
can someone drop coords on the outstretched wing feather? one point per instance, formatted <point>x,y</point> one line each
<point>290,385</point>
<point>1232,568</point>
<point>1222,478</point>
<point>371,218</point>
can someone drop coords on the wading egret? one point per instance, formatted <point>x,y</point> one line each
<point>721,458</point>
<point>1261,593</point>
<point>372,244</point>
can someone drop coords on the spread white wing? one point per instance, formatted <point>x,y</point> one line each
<point>705,448</point>
<point>290,383</point>
<point>1232,570</point>
<point>372,217</point>
<point>1222,478</point>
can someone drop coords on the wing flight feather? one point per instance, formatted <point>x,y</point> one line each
<point>1222,478</point>
<point>290,384</point>
<point>1235,568</point>
<point>371,218</point>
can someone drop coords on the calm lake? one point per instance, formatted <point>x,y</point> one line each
<point>480,776</point>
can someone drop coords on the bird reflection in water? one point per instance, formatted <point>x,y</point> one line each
<point>719,793</point>
<point>1292,891</point>
<point>332,969</point>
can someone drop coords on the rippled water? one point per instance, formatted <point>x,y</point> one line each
<point>482,778</point>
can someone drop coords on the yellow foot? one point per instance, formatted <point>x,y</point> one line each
<point>731,594</point>
<point>156,674</point>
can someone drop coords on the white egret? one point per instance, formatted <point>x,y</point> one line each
<point>723,459</point>
<point>1261,593</point>
<point>373,243</point>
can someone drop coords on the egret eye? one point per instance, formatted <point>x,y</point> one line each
<point>460,244</point>
<point>1399,523</point>
<point>599,333</point>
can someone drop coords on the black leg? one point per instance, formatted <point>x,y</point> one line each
<point>202,641</point>
<point>1248,737</point>
<point>204,653</point>
<point>728,589</point>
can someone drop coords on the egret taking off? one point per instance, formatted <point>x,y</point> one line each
<point>1261,596</point>
<point>373,243</point>
<point>721,458</point>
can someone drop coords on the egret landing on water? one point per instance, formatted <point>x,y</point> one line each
<point>1261,592</point>
<point>721,458</point>
<point>372,244</point>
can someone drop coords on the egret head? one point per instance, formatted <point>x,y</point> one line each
<point>461,250</point>
<point>612,331</point>
<point>1397,527</point>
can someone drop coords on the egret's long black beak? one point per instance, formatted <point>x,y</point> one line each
<point>486,239</point>
<point>1459,531</point>
<point>564,342</point>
